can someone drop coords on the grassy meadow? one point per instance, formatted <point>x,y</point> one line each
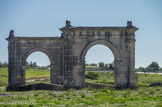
<point>31,74</point>
<point>143,96</point>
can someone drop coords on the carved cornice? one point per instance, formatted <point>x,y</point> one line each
<point>56,39</point>
<point>73,28</point>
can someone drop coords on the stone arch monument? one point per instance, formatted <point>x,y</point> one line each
<point>67,54</point>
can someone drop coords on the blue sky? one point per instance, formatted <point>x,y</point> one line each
<point>45,17</point>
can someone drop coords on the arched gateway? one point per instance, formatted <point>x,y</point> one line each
<point>67,54</point>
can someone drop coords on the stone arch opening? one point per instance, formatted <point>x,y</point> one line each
<point>25,57</point>
<point>108,44</point>
<point>97,54</point>
<point>30,51</point>
<point>115,51</point>
<point>37,68</point>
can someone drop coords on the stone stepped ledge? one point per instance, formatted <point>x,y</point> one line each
<point>39,86</point>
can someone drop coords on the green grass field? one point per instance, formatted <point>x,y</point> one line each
<point>30,75</point>
<point>143,96</point>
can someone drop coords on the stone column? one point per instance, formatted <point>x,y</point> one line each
<point>131,60</point>
<point>78,72</point>
<point>14,68</point>
<point>56,71</point>
<point>68,64</point>
<point>55,77</point>
<point>52,74</point>
<point>120,73</point>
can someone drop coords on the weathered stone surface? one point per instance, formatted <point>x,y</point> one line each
<point>67,54</point>
<point>39,86</point>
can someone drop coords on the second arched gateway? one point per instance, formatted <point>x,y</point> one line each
<point>67,54</point>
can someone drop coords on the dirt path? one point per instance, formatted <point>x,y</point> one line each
<point>2,88</point>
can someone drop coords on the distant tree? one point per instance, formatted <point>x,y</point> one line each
<point>5,64</point>
<point>1,64</point>
<point>27,65</point>
<point>111,66</point>
<point>93,64</point>
<point>86,64</point>
<point>148,69</point>
<point>34,65</point>
<point>31,64</point>
<point>143,70</point>
<point>140,69</point>
<point>154,66</point>
<point>101,64</point>
<point>106,67</point>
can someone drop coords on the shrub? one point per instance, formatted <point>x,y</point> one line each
<point>92,75</point>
